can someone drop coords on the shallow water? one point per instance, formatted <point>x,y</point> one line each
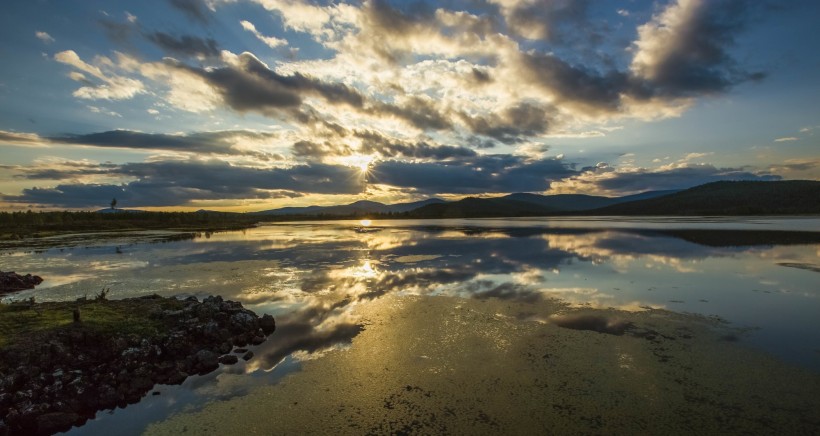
<point>754,280</point>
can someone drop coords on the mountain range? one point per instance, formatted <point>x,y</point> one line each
<point>717,198</point>
<point>513,204</point>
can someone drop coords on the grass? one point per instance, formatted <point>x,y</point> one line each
<point>21,322</point>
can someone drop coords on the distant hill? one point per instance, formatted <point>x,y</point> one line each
<point>523,204</point>
<point>728,198</point>
<point>356,208</point>
<point>481,208</point>
<point>579,202</point>
<point>718,198</point>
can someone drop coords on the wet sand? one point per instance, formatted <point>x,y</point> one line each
<point>468,366</point>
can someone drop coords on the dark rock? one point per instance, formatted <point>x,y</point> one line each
<point>244,321</point>
<point>63,377</point>
<point>228,359</point>
<point>11,281</point>
<point>224,348</point>
<point>177,378</point>
<point>207,361</point>
<point>55,422</point>
<point>267,323</point>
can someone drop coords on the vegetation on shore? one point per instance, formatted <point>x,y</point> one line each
<point>22,321</point>
<point>18,225</point>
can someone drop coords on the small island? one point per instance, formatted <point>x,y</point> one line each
<point>61,362</point>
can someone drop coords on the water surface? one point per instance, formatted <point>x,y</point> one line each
<point>754,281</point>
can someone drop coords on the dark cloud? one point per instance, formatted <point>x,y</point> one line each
<point>480,76</point>
<point>196,10</point>
<point>511,125</point>
<point>169,183</point>
<point>118,32</point>
<point>221,142</point>
<point>318,150</point>
<point>489,173</point>
<point>251,86</point>
<point>185,45</point>
<point>64,170</point>
<point>579,85</point>
<point>684,50</point>
<point>552,20</point>
<point>375,142</point>
<point>419,112</point>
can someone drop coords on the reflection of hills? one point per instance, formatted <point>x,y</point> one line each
<point>707,237</point>
<point>737,238</point>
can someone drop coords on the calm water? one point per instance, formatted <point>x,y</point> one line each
<point>759,275</point>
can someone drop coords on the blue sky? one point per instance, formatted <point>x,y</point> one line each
<point>255,104</point>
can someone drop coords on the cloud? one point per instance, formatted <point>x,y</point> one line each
<point>786,139</point>
<point>21,138</point>
<point>195,10</point>
<point>513,124</point>
<point>544,19</point>
<point>221,142</point>
<point>43,36</point>
<point>226,142</point>
<point>270,41</point>
<point>607,180</point>
<point>481,174</point>
<point>376,143</point>
<point>683,50</point>
<point>185,45</point>
<point>171,183</point>
<point>113,87</point>
<point>246,84</point>
<point>63,170</point>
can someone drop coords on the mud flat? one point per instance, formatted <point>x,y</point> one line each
<point>467,366</point>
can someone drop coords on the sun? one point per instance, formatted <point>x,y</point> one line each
<point>361,161</point>
<point>365,222</point>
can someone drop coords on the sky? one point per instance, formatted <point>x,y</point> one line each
<point>247,105</point>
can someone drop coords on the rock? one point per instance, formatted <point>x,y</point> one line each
<point>267,323</point>
<point>228,359</point>
<point>55,422</point>
<point>177,378</point>
<point>60,378</point>
<point>207,361</point>
<point>243,321</point>
<point>11,281</point>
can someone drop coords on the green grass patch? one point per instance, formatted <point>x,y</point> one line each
<point>22,321</point>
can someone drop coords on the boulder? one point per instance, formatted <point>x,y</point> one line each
<point>11,281</point>
<point>55,422</point>
<point>267,323</point>
<point>228,359</point>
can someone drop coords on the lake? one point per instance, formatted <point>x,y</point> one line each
<point>480,325</point>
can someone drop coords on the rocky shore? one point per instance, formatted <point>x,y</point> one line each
<point>60,363</point>
<point>11,282</point>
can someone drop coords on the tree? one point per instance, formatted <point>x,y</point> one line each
<point>113,203</point>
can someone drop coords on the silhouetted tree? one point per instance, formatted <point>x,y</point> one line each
<point>113,203</point>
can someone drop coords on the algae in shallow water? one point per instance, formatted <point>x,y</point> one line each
<point>440,364</point>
